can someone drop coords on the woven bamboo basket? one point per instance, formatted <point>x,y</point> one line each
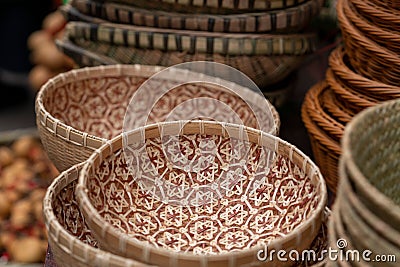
<point>79,110</point>
<point>384,18</point>
<point>366,56</point>
<point>69,237</point>
<point>386,38</point>
<point>215,7</point>
<point>325,150</point>
<point>334,108</point>
<point>351,100</point>
<point>72,14</point>
<point>263,70</point>
<point>371,152</point>
<point>353,202</point>
<point>339,63</point>
<point>287,20</point>
<point>207,247</point>
<point>193,42</point>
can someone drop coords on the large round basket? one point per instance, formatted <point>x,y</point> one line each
<point>78,111</point>
<point>70,239</point>
<point>371,153</point>
<point>222,216</point>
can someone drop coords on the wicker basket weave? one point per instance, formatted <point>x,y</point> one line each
<point>366,56</point>
<point>334,108</point>
<point>286,20</point>
<point>339,63</point>
<point>192,42</point>
<point>115,239</point>
<point>263,70</point>
<point>79,110</point>
<point>371,149</point>
<point>394,4</point>
<point>70,240</point>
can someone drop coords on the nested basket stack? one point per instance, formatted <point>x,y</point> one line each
<point>366,215</point>
<point>266,40</point>
<point>362,73</point>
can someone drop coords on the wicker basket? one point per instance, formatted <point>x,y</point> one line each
<point>207,247</point>
<point>263,70</point>
<point>286,20</point>
<point>339,63</point>
<point>79,110</point>
<point>193,42</point>
<point>388,4</point>
<point>72,14</point>
<point>334,108</point>
<point>371,153</point>
<point>70,240</point>
<point>326,151</point>
<point>215,7</point>
<point>366,56</point>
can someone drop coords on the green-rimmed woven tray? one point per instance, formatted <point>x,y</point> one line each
<point>213,6</point>
<point>193,42</point>
<point>291,19</point>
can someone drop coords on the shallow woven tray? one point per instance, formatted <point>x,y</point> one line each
<point>325,150</point>
<point>371,153</point>
<point>366,56</point>
<point>263,70</point>
<point>216,236</point>
<point>78,111</point>
<point>192,42</point>
<point>339,63</point>
<point>210,6</point>
<point>285,20</point>
<point>69,237</point>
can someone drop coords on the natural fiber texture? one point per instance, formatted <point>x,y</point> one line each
<point>215,7</point>
<point>79,110</point>
<point>395,4</point>
<point>339,63</point>
<point>371,152</point>
<point>71,242</point>
<point>334,108</point>
<point>72,14</point>
<point>192,42</point>
<point>366,56</point>
<point>286,20</point>
<point>263,70</point>
<point>311,193</point>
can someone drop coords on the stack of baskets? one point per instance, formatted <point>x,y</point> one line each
<point>366,214</point>
<point>99,212</point>
<point>362,73</point>
<point>263,39</point>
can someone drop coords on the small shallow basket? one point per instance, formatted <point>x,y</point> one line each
<point>115,207</point>
<point>286,20</point>
<point>78,111</point>
<point>70,239</point>
<point>263,70</point>
<point>371,153</point>
<point>339,63</point>
<point>326,151</point>
<point>366,56</point>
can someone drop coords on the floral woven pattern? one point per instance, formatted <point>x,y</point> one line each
<point>258,203</point>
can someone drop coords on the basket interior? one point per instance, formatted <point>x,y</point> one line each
<point>375,148</point>
<point>260,202</point>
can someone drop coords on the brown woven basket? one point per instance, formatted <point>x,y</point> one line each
<point>339,63</point>
<point>371,154</point>
<point>70,239</point>
<point>334,108</point>
<point>72,14</point>
<point>78,111</point>
<point>237,252</point>
<point>263,70</point>
<point>192,42</point>
<point>326,151</point>
<point>286,20</point>
<point>215,7</point>
<point>366,56</point>
<point>394,4</point>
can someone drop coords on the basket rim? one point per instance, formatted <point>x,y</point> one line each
<point>332,106</point>
<point>376,11</point>
<point>55,228</point>
<point>148,131</point>
<point>357,176</point>
<point>84,139</point>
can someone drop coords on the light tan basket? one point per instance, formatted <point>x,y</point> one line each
<point>107,227</point>
<point>78,111</point>
<point>70,240</point>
